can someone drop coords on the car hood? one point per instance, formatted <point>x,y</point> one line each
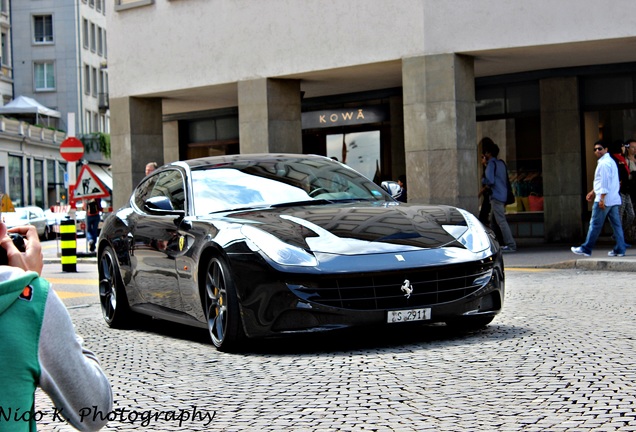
<point>358,229</point>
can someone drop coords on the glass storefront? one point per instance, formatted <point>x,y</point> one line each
<point>359,150</point>
<point>16,175</point>
<point>509,115</point>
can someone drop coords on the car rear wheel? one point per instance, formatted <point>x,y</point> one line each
<point>112,295</point>
<point>221,306</point>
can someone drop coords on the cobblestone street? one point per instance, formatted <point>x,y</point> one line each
<point>561,357</point>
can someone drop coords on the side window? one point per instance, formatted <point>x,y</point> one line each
<point>143,191</point>
<point>171,185</point>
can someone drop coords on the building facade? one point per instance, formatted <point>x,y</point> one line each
<point>53,51</point>
<point>60,59</point>
<point>390,88</point>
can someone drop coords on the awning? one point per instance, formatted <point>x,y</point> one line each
<point>27,105</point>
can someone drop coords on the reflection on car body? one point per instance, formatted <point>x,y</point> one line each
<point>263,245</point>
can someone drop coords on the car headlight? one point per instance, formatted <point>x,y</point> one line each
<point>277,250</point>
<point>473,236</point>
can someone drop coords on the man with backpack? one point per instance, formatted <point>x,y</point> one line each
<point>496,178</point>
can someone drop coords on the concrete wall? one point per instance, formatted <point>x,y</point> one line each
<point>226,42</point>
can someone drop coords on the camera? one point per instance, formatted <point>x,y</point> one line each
<point>18,242</point>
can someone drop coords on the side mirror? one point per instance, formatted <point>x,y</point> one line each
<point>161,206</point>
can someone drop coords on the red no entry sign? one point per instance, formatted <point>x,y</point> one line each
<point>72,149</point>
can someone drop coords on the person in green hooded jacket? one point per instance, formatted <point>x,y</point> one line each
<point>39,347</point>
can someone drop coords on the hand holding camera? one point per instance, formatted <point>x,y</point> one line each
<point>20,247</point>
<point>18,242</point>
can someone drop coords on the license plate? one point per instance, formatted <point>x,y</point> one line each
<point>408,315</point>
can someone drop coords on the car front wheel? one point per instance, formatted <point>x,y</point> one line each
<point>112,295</point>
<point>221,307</point>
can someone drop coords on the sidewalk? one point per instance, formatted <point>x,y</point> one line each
<point>559,256</point>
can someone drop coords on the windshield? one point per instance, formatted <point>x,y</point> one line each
<point>264,183</point>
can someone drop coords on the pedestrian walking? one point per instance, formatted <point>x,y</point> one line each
<point>93,211</point>
<point>496,178</point>
<point>607,201</point>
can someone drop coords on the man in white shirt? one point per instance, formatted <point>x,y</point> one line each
<point>607,201</point>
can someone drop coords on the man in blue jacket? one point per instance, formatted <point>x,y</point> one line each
<point>495,178</point>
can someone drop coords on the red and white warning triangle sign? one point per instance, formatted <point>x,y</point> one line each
<point>88,186</point>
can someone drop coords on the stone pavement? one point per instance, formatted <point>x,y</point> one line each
<point>559,256</point>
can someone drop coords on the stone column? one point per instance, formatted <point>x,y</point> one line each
<point>136,139</point>
<point>561,160</point>
<point>171,141</point>
<point>440,134</point>
<point>269,116</point>
<point>398,162</point>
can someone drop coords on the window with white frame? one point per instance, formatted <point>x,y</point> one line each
<point>87,120</point>
<point>94,80</point>
<point>43,28</point>
<point>44,76</point>
<point>100,41</point>
<point>87,79</point>
<point>93,37</point>
<point>85,33</point>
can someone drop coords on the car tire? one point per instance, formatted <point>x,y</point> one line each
<point>469,323</point>
<point>112,295</point>
<point>221,306</point>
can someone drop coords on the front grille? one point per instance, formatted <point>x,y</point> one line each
<point>382,291</point>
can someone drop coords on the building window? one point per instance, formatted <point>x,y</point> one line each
<point>4,6</point>
<point>94,81</point>
<point>5,50</point>
<point>91,3</point>
<point>44,75</point>
<point>129,4</point>
<point>87,79</point>
<point>85,33</point>
<point>98,5</point>
<point>43,29</point>
<point>38,171</point>
<point>15,180</point>
<point>93,37</point>
<point>100,41</point>
<point>105,44</point>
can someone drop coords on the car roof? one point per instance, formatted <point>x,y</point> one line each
<point>243,158</point>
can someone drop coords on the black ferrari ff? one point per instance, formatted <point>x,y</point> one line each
<point>252,246</point>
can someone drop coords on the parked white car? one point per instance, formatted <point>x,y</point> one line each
<point>56,217</point>
<point>30,215</point>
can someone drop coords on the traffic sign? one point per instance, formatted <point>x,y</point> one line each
<point>72,149</point>
<point>88,186</point>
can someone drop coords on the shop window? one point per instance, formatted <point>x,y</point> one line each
<point>519,141</point>
<point>359,150</point>
<point>38,171</point>
<point>16,175</point>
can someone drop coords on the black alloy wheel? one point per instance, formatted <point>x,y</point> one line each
<point>221,306</point>
<point>112,296</point>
